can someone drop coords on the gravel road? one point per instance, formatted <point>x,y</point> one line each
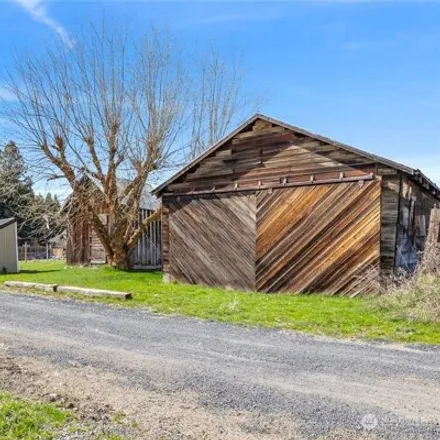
<point>183,378</point>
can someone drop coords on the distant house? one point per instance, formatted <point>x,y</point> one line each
<point>275,208</point>
<point>84,247</point>
<point>8,246</point>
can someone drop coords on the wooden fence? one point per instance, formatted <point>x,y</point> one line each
<point>148,252</point>
<point>35,252</point>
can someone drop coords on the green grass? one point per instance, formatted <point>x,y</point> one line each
<point>21,419</point>
<point>24,419</point>
<point>332,316</point>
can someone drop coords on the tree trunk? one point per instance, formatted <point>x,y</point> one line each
<point>119,259</point>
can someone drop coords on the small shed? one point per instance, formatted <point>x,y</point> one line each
<point>8,246</point>
<point>275,208</point>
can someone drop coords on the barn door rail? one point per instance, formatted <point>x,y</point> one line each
<point>261,186</point>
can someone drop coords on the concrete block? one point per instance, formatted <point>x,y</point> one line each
<point>93,292</point>
<point>33,286</point>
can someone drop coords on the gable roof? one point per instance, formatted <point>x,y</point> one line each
<point>414,173</point>
<point>6,222</point>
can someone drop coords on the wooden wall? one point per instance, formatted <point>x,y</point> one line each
<point>415,209</point>
<point>297,181</point>
<point>390,200</point>
<point>318,239</point>
<point>310,239</point>
<point>265,156</point>
<point>84,246</point>
<point>148,251</point>
<point>212,240</point>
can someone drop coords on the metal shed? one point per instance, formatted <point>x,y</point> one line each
<point>8,246</point>
<point>276,208</point>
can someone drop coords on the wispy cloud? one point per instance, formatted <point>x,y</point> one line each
<point>6,95</point>
<point>39,12</point>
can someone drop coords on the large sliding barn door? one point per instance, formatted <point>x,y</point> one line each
<point>322,238</point>
<point>212,240</point>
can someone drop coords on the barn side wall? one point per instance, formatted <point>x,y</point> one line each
<point>78,245</point>
<point>391,183</point>
<point>415,207</point>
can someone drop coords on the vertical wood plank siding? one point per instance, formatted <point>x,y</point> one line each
<point>166,235</point>
<point>148,251</point>
<point>317,239</point>
<point>212,240</point>
<point>390,199</point>
<point>414,215</point>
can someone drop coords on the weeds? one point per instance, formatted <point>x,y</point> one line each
<point>415,297</point>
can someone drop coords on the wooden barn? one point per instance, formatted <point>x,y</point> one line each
<point>85,248</point>
<point>275,208</point>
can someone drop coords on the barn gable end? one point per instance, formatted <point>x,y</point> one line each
<point>264,155</point>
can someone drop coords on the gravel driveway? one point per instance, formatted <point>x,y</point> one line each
<point>183,378</point>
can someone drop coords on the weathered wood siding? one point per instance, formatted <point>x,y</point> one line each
<point>166,236</point>
<point>84,246</point>
<point>325,214</point>
<point>148,251</point>
<point>317,239</point>
<point>390,200</point>
<point>265,156</point>
<point>414,214</point>
<point>212,240</point>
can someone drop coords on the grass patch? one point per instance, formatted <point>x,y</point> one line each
<point>332,316</point>
<point>29,420</point>
<point>22,419</point>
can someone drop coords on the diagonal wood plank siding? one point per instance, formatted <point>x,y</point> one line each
<point>264,155</point>
<point>317,239</point>
<point>212,240</point>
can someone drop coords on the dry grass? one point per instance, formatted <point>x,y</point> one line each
<point>415,297</point>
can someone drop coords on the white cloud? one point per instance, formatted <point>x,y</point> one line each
<point>39,12</point>
<point>6,95</point>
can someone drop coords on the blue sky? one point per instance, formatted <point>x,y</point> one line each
<point>366,73</point>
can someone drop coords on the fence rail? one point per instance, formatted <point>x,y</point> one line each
<point>30,252</point>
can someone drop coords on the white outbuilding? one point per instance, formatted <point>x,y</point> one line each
<point>8,246</point>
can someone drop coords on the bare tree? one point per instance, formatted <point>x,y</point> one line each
<point>218,101</point>
<point>117,111</point>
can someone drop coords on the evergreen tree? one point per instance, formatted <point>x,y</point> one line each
<point>39,218</point>
<point>16,194</point>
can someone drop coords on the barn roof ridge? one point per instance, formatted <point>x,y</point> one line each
<point>415,173</point>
